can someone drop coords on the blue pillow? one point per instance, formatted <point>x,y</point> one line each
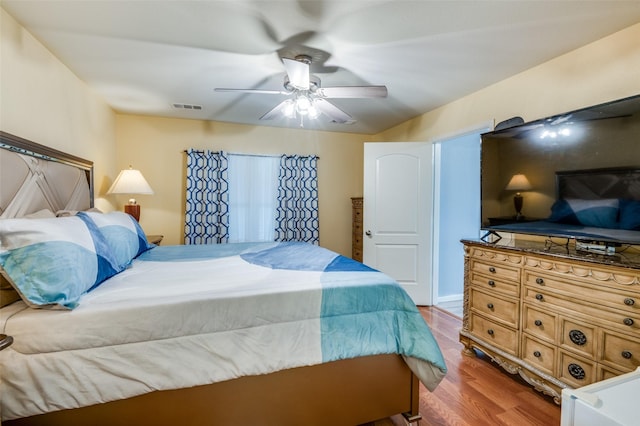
<point>123,234</point>
<point>597,213</point>
<point>629,215</point>
<point>561,212</point>
<point>52,262</point>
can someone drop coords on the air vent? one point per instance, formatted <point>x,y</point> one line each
<point>187,106</point>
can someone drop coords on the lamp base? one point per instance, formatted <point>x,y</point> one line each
<point>517,203</point>
<point>133,210</point>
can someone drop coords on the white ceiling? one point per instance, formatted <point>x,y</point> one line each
<point>143,56</point>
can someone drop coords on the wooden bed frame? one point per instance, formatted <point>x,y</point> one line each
<point>346,392</point>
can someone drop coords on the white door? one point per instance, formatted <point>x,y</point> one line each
<point>398,214</point>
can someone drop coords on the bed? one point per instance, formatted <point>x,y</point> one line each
<point>248,333</point>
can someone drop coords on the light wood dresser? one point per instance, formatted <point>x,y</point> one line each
<point>356,228</point>
<point>558,318</point>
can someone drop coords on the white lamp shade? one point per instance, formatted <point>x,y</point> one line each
<point>130,181</point>
<point>518,182</point>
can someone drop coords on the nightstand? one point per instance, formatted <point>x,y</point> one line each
<point>155,239</point>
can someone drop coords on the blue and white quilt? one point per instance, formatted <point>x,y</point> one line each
<point>183,316</point>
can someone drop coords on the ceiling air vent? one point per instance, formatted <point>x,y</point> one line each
<point>187,106</point>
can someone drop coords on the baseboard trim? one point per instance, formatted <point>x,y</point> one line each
<point>450,298</point>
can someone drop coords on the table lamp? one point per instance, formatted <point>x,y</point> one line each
<point>518,182</point>
<point>130,181</point>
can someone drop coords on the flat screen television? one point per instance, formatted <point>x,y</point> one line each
<point>581,174</point>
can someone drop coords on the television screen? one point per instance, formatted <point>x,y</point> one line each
<point>524,172</point>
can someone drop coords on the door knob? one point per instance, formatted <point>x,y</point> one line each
<point>368,233</point>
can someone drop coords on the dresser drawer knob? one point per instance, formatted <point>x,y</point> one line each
<point>628,321</point>
<point>539,297</point>
<point>490,305</point>
<point>578,337</point>
<point>537,354</point>
<point>490,332</point>
<point>492,283</point>
<point>492,269</point>
<point>629,301</point>
<point>627,355</point>
<point>539,281</point>
<point>576,371</point>
<point>538,323</point>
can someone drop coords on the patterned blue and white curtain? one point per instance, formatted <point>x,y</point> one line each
<point>207,207</point>
<point>297,211</point>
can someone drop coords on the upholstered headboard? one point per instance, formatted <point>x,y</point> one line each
<point>596,184</point>
<point>34,177</point>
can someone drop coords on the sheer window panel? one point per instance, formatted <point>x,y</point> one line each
<point>253,197</point>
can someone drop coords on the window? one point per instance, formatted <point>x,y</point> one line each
<point>244,198</point>
<point>253,197</point>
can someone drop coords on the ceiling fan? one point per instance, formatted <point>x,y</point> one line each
<point>306,97</point>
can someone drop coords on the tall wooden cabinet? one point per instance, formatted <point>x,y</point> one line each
<point>555,317</point>
<point>356,228</point>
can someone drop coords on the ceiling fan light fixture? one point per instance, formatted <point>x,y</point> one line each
<point>313,112</point>
<point>289,109</point>
<point>303,103</point>
<point>305,96</point>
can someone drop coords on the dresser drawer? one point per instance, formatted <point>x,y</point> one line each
<point>544,300</point>
<point>505,256</point>
<point>575,370</point>
<point>578,337</point>
<point>498,308</point>
<point>538,353</point>
<point>494,270</point>
<point>619,351</point>
<point>357,215</point>
<point>586,273</point>
<point>618,299</point>
<point>540,324</point>
<point>356,254</point>
<point>497,335</point>
<point>356,228</point>
<point>508,287</point>
<point>605,372</point>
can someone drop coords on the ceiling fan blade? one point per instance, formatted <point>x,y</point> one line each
<point>298,73</point>
<point>353,92</point>
<point>253,91</point>
<point>276,111</point>
<point>332,111</point>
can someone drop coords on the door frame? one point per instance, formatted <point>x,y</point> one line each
<point>480,128</point>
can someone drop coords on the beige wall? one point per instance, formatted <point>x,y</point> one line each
<point>43,101</point>
<point>156,147</point>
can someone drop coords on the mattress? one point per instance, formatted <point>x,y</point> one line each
<point>184,316</point>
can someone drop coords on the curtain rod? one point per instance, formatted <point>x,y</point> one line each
<point>252,155</point>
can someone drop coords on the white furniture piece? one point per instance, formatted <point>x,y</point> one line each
<point>610,402</point>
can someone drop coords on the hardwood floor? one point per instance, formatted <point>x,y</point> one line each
<point>476,392</point>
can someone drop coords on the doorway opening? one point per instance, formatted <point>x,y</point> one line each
<point>456,214</point>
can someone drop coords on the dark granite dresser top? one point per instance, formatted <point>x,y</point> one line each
<point>625,256</point>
